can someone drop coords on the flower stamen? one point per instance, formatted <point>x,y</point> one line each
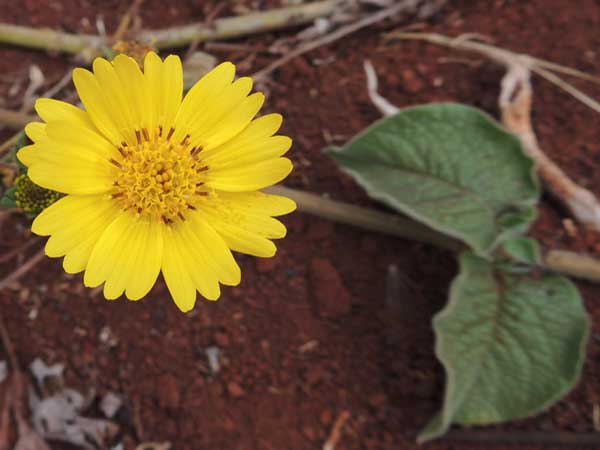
<point>159,179</point>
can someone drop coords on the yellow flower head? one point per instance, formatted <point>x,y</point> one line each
<point>154,182</point>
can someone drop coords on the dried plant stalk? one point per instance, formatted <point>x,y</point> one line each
<point>90,46</point>
<point>515,104</point>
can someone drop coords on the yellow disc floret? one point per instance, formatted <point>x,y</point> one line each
<point>160,178</point>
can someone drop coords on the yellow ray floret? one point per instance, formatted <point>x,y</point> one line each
<point>155,182</point>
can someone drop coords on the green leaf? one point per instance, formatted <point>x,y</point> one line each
<point>511,345</point>
<point>8,199</point>
<point>522,250</point>
<point>449,166</point>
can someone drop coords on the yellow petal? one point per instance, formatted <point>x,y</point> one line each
<point>164,89</point>
<point>134,91</point>
<point>36,131</point>
<point>233,122</point>
<point>233,154</point>
<point>124,112</point>
<point>27,154</point>
<point>51,110</point>
<point>258,203</point>
<point>244,220</point>
<point>207,98</point>
<point>256,131</point>
<point>249,178</point>
<point>185,271</point>
<point>100,106</point>
<point>204,240</point>
<point>73,160</point>
<point>70,176</point>
<point>127,257</point>
<point>74,224</point>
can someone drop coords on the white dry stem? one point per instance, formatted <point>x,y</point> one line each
<point>381,103</point>
<point>515,104</point>
<point>41,371</point>
<point>36,81</point>
<point>541,67</point>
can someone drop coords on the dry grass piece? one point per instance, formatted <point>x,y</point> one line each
<point>336,431</point>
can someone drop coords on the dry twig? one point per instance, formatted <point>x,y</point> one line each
<point>336,431</point>
<point>515,104</point>
<point>5,407</point>
<point>89,46</point>
<point>22,270</point>
<point>382,104</point>
<point>14,119</point>
<point>9,144</point>
<point>10,255</point>
<point>405,5</point>
<point>132,12</point>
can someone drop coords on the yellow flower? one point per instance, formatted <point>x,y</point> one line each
<point>156,183</point>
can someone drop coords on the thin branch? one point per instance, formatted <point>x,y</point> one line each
<point>90,46</point>
<point>569,263</point>
<point>131,13</point>
<point>10,255</point>
<point>7,344</point>
<point>573,264</point>
<point>15,119</point>
<point>515,101</point>
<point>9,144</point>
<point>336,35</point>
<point>508,58</point>
<point>336,432</point>
<point>46,39</point>
<point>568,87</point>
<point>385,107</point>
<point>23,269</point>
<point>233,27</point>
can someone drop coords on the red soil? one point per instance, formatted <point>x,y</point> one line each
<point>307,334</point>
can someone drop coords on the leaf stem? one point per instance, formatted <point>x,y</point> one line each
<point>565,262</point>
<point>367,219</point>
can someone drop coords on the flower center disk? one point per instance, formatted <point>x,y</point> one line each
<point>158,178</point>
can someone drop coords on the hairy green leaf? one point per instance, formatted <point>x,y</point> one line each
<point>449,166</point>
<point>511,344</point>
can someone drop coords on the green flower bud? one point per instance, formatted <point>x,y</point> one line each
<point>32,198</point>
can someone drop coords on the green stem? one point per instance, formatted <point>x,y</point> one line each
<point>565,262</point>
<point>368,219</point>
